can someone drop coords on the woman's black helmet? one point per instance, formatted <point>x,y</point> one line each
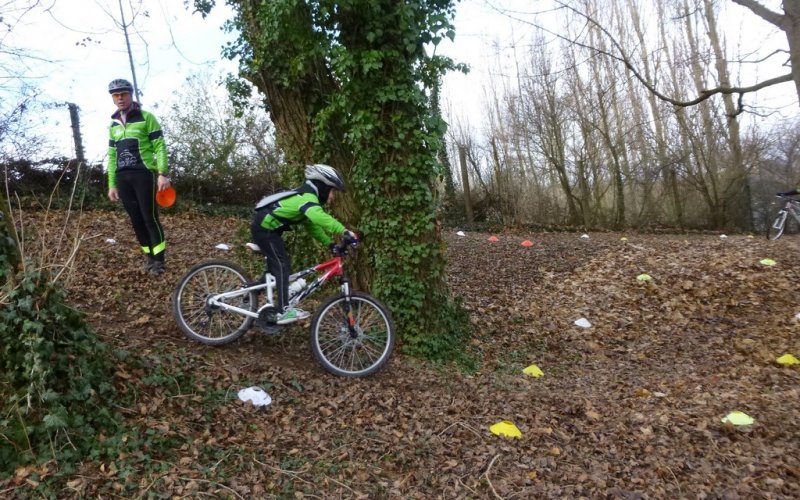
<point>120,85</point>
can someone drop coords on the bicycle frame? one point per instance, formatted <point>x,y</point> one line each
<point>326,270</point>
<point>791,208</point>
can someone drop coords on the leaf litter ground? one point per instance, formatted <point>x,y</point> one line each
<point>628,408</point>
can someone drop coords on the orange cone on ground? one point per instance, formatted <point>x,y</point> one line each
<point>493,238</point>
<point>527,243</point>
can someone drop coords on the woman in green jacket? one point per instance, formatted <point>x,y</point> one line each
<point>137,169</point>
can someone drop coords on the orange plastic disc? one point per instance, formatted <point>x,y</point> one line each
<point>166,197</point>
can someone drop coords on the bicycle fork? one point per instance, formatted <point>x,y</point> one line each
<point>348,309</point>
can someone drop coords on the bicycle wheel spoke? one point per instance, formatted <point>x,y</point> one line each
<point>357,351</point>
<point>206,323</point>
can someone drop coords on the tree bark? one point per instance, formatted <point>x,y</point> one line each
<point>738,191</point>
<point>462,160</point>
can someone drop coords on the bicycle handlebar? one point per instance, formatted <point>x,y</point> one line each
<point>342,247</point>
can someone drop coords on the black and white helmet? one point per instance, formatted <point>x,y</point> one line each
<point>120,85</point>
<point>325,174</point>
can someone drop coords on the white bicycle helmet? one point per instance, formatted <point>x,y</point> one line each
<point>325,174</point>
<point>120,85</point>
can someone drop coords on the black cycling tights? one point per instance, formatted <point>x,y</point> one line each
<point>137,190</point>
<point>279,264</point>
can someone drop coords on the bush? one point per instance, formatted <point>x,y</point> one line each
<point>54,376</point>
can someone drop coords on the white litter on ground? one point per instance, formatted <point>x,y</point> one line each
<point>111,241</point>
<point>461,233</point>
<point>255,395</point>
<point>222,246</point>
<point>585,236</point>
<point>583,323</point>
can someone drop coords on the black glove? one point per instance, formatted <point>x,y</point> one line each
<point>349,236</point>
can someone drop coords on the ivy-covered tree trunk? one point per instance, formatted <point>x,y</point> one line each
<point>346,83</point>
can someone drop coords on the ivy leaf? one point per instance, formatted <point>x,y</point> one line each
<point>54,422</point>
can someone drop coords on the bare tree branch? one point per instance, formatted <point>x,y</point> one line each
<point>763,12</point>
<point>623,58</point>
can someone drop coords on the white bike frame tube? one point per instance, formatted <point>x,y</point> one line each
<point>216,300</point>
<point>792,209</point>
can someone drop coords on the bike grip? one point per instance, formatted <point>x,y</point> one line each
<point>350,235</point>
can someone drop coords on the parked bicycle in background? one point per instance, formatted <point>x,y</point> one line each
<point>791,206</point>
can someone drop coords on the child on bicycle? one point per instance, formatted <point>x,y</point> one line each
<point>303,207</point>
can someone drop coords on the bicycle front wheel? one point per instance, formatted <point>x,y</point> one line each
<point>206,323</point>
<point>361,351</point>
<point>775,230</point>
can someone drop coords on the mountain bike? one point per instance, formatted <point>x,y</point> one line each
<point>352,333</point>
<point>778,226</point>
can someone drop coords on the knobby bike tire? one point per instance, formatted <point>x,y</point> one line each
<point>337,351</point>
<point>775,230</point>
<point>205,323</point>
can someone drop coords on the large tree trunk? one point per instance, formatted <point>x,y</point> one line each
<point>738,191</point>
<point>372,121</point>
<point>291,109</point>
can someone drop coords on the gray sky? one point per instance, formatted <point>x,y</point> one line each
<point>80,50</point>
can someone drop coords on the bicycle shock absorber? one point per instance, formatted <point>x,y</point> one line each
<point>348,309</point>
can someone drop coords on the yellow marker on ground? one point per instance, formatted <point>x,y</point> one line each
<point>787,360</point>
<point>505,428</point>
<point>644,277</point>
<point>767,262</point>
<point>738,418</point>
<point>533,371</point>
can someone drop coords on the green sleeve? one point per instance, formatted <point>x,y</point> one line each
<point>323,223</point>
<point>317,233</point>
<point>112,161</point>
<point>159,144</point>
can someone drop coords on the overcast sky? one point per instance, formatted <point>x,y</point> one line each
<point>79,48</point>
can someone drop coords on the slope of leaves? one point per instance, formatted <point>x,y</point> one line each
<point>628,408</point>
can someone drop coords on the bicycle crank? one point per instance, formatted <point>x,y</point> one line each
<point>267,320</point>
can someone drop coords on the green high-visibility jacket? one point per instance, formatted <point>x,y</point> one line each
<point>136,144</point>
<point>304,209</point>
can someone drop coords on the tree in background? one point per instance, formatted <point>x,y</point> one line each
<point>610,113</point>
<point>347,83</point>
<point>219,152</point>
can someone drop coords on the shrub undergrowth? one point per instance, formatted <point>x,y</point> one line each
<point>55,377</point>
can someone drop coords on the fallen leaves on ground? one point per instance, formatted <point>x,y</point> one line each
<point>630,407</point>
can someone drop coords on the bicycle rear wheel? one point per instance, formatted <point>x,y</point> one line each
<point>206,323</point>
<point>775,230</point>
<point>361,353</point>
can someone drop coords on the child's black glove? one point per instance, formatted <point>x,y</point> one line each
<point>349,236</point>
